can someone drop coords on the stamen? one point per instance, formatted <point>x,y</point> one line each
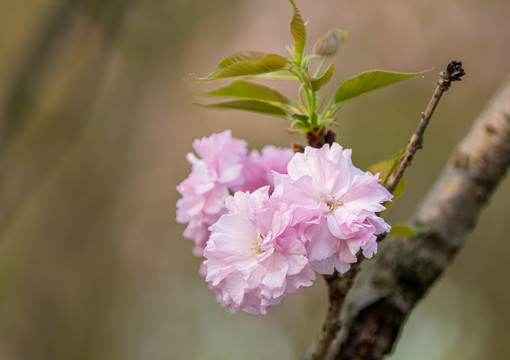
<point>331,202</point>
<point>256,245</point>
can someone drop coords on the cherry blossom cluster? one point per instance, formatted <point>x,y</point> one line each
<point>224,167</point>
<point>267,222</point>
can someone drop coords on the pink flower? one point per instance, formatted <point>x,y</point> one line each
<point>223,166</point>
<point>254,257</point>
<point>204,191</point>
<point>258,168</point>
<point>335,206</point>
<point>222,158</point>
<point>202,203</point>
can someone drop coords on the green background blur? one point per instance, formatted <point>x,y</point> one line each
<point>95,122</point>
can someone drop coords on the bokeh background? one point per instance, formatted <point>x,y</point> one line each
<point>95,122</point>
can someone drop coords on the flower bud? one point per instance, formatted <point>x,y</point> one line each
<point>329,43</point>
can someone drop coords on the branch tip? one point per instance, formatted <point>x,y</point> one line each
<point>453,72</point>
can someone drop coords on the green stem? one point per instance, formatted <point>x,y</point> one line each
<point>319,68</point>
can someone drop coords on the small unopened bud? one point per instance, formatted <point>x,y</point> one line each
<point>329,43</point>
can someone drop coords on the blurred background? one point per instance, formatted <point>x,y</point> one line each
<point>95,122</point>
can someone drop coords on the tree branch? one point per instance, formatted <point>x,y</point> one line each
<point>380,302</point>
<point>338,288</point>
<point>453,72</point>
<point>339,285</point>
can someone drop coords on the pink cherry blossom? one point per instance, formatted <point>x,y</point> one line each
<point>254,257</point>
<point>257,170</point>
<point>335,206</point>
<point>202,203</point>
<point>222,166</point>
<point>204,191</point>
<point>222,158</point>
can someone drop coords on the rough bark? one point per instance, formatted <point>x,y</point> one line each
<point>380,302</point>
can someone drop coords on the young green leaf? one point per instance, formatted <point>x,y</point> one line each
<point>386,167</point>
<point>298,31</point>
<point>240,55</point>
<point>283,74</point>
<point>248,90</point>
<point>421,229</point>
<point>268,63</point>
<point>396,193</point>
<point>304,127</point>
<point>401,186</point>
<point>403,230</point>
<point>300,117</point>
<point>323,79</point>
<point>369,81</point>
<point>249,105</point>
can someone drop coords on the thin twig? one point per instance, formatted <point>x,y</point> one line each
<point>453,72</point>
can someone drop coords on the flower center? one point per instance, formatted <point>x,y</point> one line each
<point>331,202</point>
<point>256,245</point>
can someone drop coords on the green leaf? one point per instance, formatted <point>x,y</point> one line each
<point>298,31</point>
<point>386,167</point>
<point>401,186</point>
<point>396,193</point>
<point>300,117</point>
<point>268,63</point>
<point>323,79</point>
<point>401,230</point>
<point>405,230</point>
<point>369,81</point>
<point>277,75</point>
<point>249,105</point>
<point>304,127</point>
<point>241,55</point>
<point>419,230</point>
<point>248,90</point>
<point>314,120</point>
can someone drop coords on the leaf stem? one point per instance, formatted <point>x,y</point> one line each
<point>319,68</point>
